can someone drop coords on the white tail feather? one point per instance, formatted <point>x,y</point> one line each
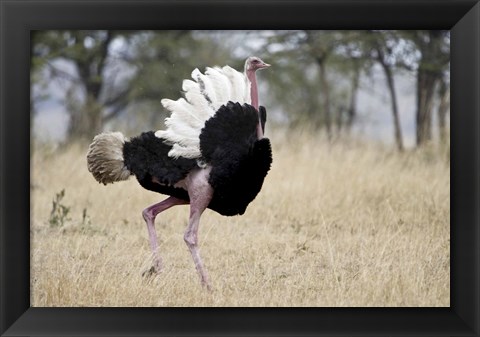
<point>193,95</point>
<point>240,91</point>
<point>184,111</point>
<point>203,97</point>
<point>221,85</point>
<point>183,151</point>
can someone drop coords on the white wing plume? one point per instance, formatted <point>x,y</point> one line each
<point>203,97</point>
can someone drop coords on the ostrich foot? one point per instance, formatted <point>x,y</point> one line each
<point>154,270</point>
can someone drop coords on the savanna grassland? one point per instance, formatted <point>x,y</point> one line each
<point>342,224</point>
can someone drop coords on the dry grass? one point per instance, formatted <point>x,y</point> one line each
<point>348,224</point>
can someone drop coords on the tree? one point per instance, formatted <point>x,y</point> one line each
<point>309,62</point>
<point>352,107</point>
<point>293,84</point>
<point>322,47</point>
<point>443,108</point>
<point>350,61</point>
<point>384,55</point>
<point>105,74</point>
<point>434,49</point>
<point>87,52</point>
<point>162,60</point>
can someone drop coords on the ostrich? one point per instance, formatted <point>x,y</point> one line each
<point>212,154</point>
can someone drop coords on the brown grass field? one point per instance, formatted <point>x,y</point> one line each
<point>348,224</point>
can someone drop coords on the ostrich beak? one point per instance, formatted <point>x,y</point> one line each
<point>264,65</point>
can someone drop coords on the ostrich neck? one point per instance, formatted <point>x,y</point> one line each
<point>253,88</point>
<point>254,96</point>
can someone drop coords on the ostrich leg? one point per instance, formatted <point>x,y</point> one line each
<point>200,193</point>
<point>149,214</point>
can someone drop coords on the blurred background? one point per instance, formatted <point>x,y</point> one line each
<point>387,86</point>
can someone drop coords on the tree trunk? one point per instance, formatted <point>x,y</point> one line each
<point>352,109</point>
<point>326,96</point>
<point>426,81</point>
<point>85,119</point>
<point>393,99</point>
<point>443,110</point>
<point>396,118</point>
<point>433,61</point>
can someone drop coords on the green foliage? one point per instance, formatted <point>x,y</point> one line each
<point>111,74</point>
<point>59,213</point>
<point>162,60</point>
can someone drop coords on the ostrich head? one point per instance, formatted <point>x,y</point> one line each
<point>254,63</point>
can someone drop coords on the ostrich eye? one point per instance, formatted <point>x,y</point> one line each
<point>255,61</point>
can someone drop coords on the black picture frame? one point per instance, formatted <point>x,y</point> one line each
<point>19,17</point>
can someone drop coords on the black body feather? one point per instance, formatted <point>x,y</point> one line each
<point>239,160</point>
<point>228,143</point>
<point>146,156</point>
<point>263,116</point>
